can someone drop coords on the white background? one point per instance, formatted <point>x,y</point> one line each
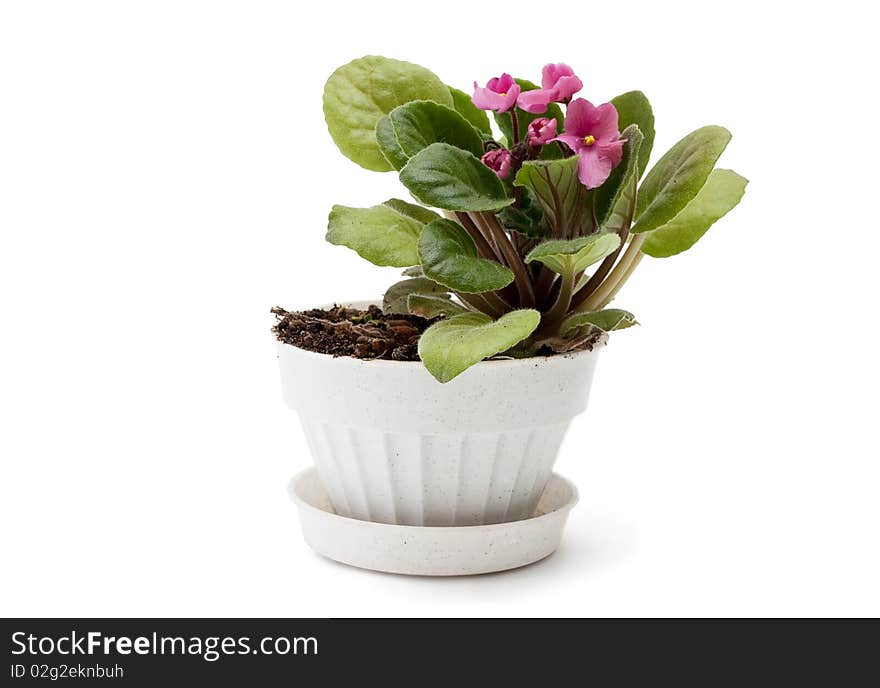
<point>165,177</point>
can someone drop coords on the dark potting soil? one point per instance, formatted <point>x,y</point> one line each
<point>342,331</point>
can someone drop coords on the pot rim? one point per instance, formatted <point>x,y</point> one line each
<point>363,303</point>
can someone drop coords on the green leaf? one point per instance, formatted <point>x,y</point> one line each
<point>381,234</point>
<point>570,256</point>
<point>616,198</point>
<point>420,123</point>
<point>522,221</point>
<point>448,256</point>
<point>550,151</point>
<point>414,271</point>
<point>557,188</point>
<point>419,213</point>
<point>523,119</point>
<point>447,177</point>
<point>433,306</point>
<point>463,104</point>
<point>451,346</point>
<point>633,108</point>
<point>678,176</point>
<point>608,320</point>
<point>527,218</point>
<point>359,94</point>
<point>395,299</point>
<point>722,191</point>
<point>388,144</point>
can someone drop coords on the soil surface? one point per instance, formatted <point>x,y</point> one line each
<point>353,332</point>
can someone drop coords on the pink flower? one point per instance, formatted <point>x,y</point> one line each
<point>541,131</point>
<point>500,94</point>
<point>498,160</point>
<point>592,133</point>
<point>558,85</point>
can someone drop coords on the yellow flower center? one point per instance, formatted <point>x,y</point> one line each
<point>589,140</point>
<point>504,95</point>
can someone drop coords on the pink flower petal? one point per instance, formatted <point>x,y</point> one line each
<point>613,150</point>
<point>579,118</point>
<point>499,161</point>
<point>576,143</point>
<point>583,119</point>
<point>510,98</point>
<point>487,99</point>
<point>593,168</point>
<point>558,84</point>
<point>604,123</point>
<point>503,83</point>
<point>499,94</point>
<point>552,73</point>
<point>566,87</point>
<point>535,101</point>
<point>542,131</point>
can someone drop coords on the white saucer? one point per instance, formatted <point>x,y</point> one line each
<point>431,550</point>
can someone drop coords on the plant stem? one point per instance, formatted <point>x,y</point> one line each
<point>484,249</point>
<point>629,271</point>
<point>544,285</point>
<point>600,274</point>
<point>563,300</point>
<point>524,288</point>
<point>481,304</point>
<point>487,234</point>
<point>495,299</point>
<point>621,273</point>
<point>514,126</point>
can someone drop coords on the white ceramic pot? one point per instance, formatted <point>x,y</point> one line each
<point>393,445</point>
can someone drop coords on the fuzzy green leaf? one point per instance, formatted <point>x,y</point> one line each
<point>447,177</point>
<point>722,191</point>
<point>432,306</point>
<point>388,143</point>
<point>395,299</point>
<point>360,93</point>
<point>448,256</point>
<point>419,124</point>
<point>451,346</point>
<point>419,213</point>
<point>523,221</point>
<point>616,199</point>
<point>633,108</point>
<point>570,256</point>
<point>465,107</point>
<point>558,190</point>
<point>607,320</point>
<point>526,217</point>
<point>382,234</point>
<point>678,176</point>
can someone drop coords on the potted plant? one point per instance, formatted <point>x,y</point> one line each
<point>446,403</point>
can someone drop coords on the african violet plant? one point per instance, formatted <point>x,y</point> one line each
<point>542,223</point>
